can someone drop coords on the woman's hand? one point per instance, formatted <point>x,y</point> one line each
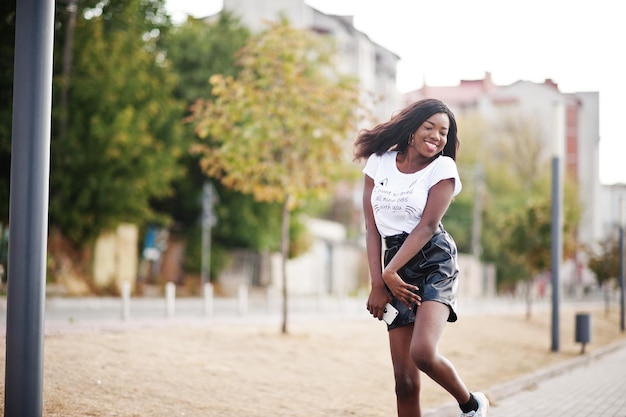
<point>379,297</point>
<point>406,293</point>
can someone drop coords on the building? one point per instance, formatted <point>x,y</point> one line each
<point>613,208</point>
<point>567,126</point>
<point>374,66</point>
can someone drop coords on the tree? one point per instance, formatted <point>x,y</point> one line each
<point>464,217</point>
<point>503,195</point>
<point>516,174</point>
<point>122,137</point>
<point>604,262</point>
<point>514,209</point>
<point>490,191</point>
<point>7,48</point>
<point>196,50</point>
<point>278,130</point>
<point>530,234</point>
<point>521,146</point>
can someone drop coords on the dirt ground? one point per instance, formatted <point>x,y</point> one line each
<point>321,368</point>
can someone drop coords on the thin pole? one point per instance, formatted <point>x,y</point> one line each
<point>209,199</point>
<point>28,215</point>
<point>622,272</point>
<point>477,212</point>
<point>556,249</point>
<point>557,216</point>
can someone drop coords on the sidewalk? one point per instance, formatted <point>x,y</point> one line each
<point>593,385</point>
<point>595,388</point>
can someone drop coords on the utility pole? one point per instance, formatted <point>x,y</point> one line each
<point>557,217</point>
<point>478,211</point>
<point>209,199</point>
<point>622,272</point>
<point>28,215</point>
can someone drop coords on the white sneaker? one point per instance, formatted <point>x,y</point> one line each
<point>483,406</point>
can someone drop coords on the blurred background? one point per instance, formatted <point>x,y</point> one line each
<point>173,162</point>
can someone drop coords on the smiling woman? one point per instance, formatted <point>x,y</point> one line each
<point>410,179</point>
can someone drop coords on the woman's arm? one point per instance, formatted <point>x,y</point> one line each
<point>439,199</point>
<point>372,236</point>
<point>379,296</point>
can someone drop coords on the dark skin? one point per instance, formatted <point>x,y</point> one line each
<point>439,199</point>
<point>414,348</point>
<point>428,140</point>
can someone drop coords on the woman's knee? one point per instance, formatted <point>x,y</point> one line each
<point>424,357</point>
<point>407,385</point>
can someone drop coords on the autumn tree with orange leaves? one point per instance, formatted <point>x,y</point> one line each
<point>280,130</point>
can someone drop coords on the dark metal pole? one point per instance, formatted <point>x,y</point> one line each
<point>557,220</point>
<point>556,249</point>
<point>622,271</point>
<point>28,215</point>
<point>208,221</point>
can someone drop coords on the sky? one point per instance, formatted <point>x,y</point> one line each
<point>580,45</point>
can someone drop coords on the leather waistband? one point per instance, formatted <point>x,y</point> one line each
<point>397,240</point>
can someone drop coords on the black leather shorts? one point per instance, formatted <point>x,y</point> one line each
<point>433,270</point>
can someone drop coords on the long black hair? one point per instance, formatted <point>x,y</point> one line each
<point>395,133</point>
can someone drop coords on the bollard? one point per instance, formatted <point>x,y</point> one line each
<point>243,299</point>
<point>583,329</point>
<point>207,291</point>
<point>271,297</point>
<point>170,297</point>
<point>125,300</point>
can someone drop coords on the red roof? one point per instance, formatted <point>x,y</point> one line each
<point>467,93</point>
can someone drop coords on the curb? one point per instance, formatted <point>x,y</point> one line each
<point>529,381</point>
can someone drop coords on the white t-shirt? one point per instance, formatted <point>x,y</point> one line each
<point>398,199</point>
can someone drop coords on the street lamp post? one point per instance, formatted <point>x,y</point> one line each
<point>209,199</point>
<point>557,217</point>
<point>28,215</point>
<point>622,225</point>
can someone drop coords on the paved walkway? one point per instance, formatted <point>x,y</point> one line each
<point>596,387</point>
<point>593,385</point>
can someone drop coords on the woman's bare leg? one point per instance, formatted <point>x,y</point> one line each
<point>405,372</point>
<point>430,321</point>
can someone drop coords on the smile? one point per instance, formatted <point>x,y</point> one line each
<point>432,146</point>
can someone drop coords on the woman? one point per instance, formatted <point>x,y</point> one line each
<point>410,180</point>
